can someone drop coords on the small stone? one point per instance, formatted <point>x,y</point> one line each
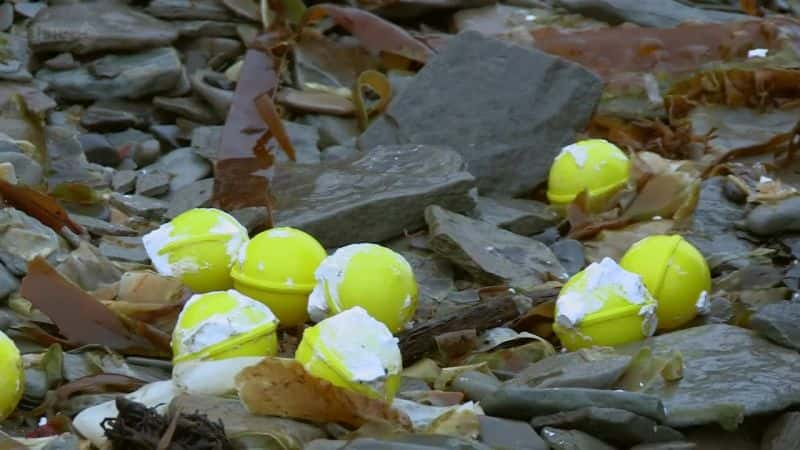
<point>6,16</point>
<point>98,227</point>
<point>185,167</point>
<point>27,170</point>
<point>62,61</point>
<point>509,434</point>
<point>615,426</point>
<point>476,385</point>
<point>305,140</point>
<point>171,136</point>
<point>99,150</point>
<point>206,28</point>
<point>30,9</point>
<point>7,173</point>
<point>189,9</point>
<point>123,181</point>
<point>572,440</point>
<point>571,255</point>
<point>88,268</point>
<point>191,108</point>
<point>253,219</point>
<point>147,152</point>
<point>779,322</point>
<point>115,115</point>
<point>67,163</point>
<point>333,130</point>
<point>678,445</point>
<point>22,238</point>
<point>152,183</point>
<point>339,152</point>
<point>8,283</point>
<point>16,58</point>
<point>136,205</point>
<point>490,254</point>
<point>196,195</point>
<point>783,434</point>
<point>122,248</point>
<point>525,217</point>
<point>774,219</point>
<point>587,368</point>
<point>660,14</point>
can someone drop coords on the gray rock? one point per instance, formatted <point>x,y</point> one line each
<point>201,53</point>
<point>647,13</point>
<point>509,434</point>
<point>66,441</point>
<point>588,368</point>
<point>171,136</point>
<point>97,26</point>
<point>29,172</point>
<point>206,28</point>
<point>305,140</point>
<point>29,9</point>
<point>571,255</point>
<point>99,150</point>
<point>400,442</point>
<point>115,115</point>
<point>146,152</point>
<point>253,219</point>
<point>152,183</point>
<point>508,146</point>
<point>136,205</point>
<point>191,108</point>
<point>779,322</point>
<point>729,372</point>
<point>206,141</point>
<point>333,130</point>
<point>476,385</point>
<point>16,58</point>
<point>525,403</point>
<point>217,97</point>
<point>23,238</point>
<point>572,440</point>
<point>128,138</point>
<point>122,248</point>
<point>772,219</point>
<point>434,276</point>
<point>783,434</point>
<point>185,167</point>
<point>525,217</point>
<point>67,163</point>
<point>615,426</point>
<point>123,181</point>
<point>678,445</point>
<point>190,9</point>
<point>131,76</point>
<point>8,283</point>
<point>491,255</point>
<point>339,152</point>
<point>6,16</point>
<point>196,195</point>
<point>372,198</point>
<point>62,61</point>
<point>88,268</point>
<point>98,227</point>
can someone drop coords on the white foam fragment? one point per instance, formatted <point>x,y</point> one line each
<point>227,225</point>
<point>153,242</point>
<point>220,327</point>
<point>703,304</point>
<point>318,304</point>
<point>764,179</point>
<point>364,345</point>
<point>578,151</point>
<point>649,318</point>
<point>279,233</point>
<point>757,53</point>
<point>600,280</point>
<point>331,271</point>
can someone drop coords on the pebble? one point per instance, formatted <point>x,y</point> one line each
<point>525,217</point>
<point>146,152</point>
<point>88,268</point>
<point>122,248</point>
<point>123,181</point>
<point>779,322</point>
<point>115,115</point>
<point>23,238</point>
<point>152,183</point>
<point>510,434</point>
<point>99,227</point>
<point>572,440</point>
<point>185,167</point>
<point>170,136</point>
<point>62,61</point>
<point>137,205</point>
<point>191,108</point>
<point>6,16</point>
<point>571,255</point>
<point>8,173</point>
<point>773,219</point>
<point>196,195</point>
<point>253,219</point>
<point>8,282</point>
<point>99,150</point>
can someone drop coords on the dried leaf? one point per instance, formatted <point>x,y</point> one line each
<point>749,7</point>
<point>614,243</point>
<point>662,196</point>
<point>375,33</point>
<point>538,320</point>
<point>377,83</point>
<point>282,387</point>
<point>53,365</point>
<point>80,317</point>
<point>266,109</point>
<point>425,369</point>
<point>455,344</point>
<point>40,206</point>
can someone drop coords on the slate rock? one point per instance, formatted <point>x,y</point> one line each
<point>206,28</point>
<point>615,426</point>
<point>779,322</point>
<point>507,434</point>
<point>647,13</point>
<point>253,218</point>
<point>434,276</point>
<point>510,145</point>
<point>476,385</point>
<point>22,238</point>
<point>196,195</point>
<point>170,136</point>
<point>305,139</point>
<point>97,26</point>
<point>191,108</point>
<point>29,9</point>
<point>571,255</point>
<point>99,150</point>
<point>206,141</point>
<point>99,227</point>
<point>587,368</point>
<point>189,9</point>
<point>152,183</point>
<point>525,217</point>
<point>728,372</point>
<point>137,205</point>
<point>677,445</point>
<point>123,181</point>
<point>62,61</point>
<point>339,152</point>
<point>489,254</point>
<point>772,219</point>
<point>333,130</point>
<point>8,283</point>
<point>371,198</point>
<point>16,58</point>
<point>6,16</point>
<point>28,171</point>
<point>146,152</point>
<point>115,115</point>
<point>525,403</point>
<point>401,442</point>
<point>130,76</point>
<point>67,162</point>
<point>122,248</point>
<point>783,434</point>
<point>184,166</point>
<point>88,268</point>
<point>572,440</point>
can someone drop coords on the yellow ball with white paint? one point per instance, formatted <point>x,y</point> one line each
<point>12,381</point>
<point>354,351</point>
<point>370,276</point>
<point>223,324</point>
<point>604,305</point>
<point>593,165</point>
<point>677,275</point>
<point>198,247</point>
<point>277,268</point>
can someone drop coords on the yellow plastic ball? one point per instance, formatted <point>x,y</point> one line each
<point>221,325</point>
<point>676,274</point>
<point>277,268</point>
<point>354,351</point>
<point>604,305</point>
<point>12,375</point>
<point>370,276</point>
<point>594,165</point>
<point>198,247</point>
